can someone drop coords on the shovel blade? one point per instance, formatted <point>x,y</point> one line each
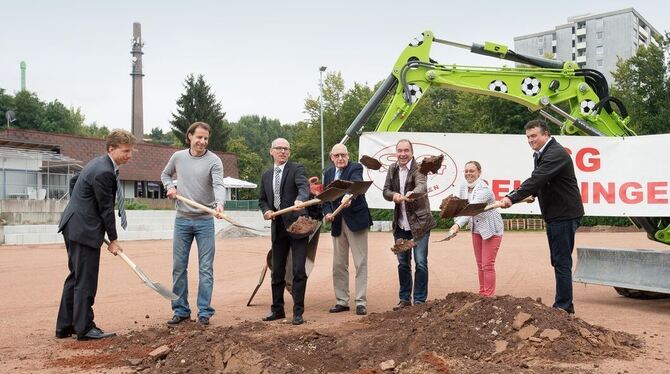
<point>330,194</point>
<point>359,187</point>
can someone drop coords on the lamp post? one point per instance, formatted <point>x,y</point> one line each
<point>321,70</point>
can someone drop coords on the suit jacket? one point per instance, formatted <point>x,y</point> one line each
<point>294,186</point>
<point>553,181</point>
<point>357,216</point>
<point>488,223</point>
<point>90,212</point>
<point>418,212</point>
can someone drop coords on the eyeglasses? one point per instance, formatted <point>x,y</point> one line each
<point>341,155</point>
<point>284,149</point>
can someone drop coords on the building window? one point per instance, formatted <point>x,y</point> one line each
<point>540,51</point>
<point>599,22</point>
<point>540,40</point>
<point>553,49</point>
<point>599,50</point>
<point>600,63</point>
<point>599,35</point>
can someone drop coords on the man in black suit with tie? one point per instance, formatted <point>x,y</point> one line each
<point>349,231</point>
<point>86,219</point>
<point>282,186</point>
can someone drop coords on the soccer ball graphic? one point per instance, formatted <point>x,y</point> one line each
<point>530,86</point>
<point>587,106</point>
<point>498,86</point>
<point>415,93</point>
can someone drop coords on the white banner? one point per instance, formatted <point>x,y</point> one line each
<point>617,176</point>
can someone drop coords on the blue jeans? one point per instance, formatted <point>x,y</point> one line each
<point>405,267</point>
<point>184,231</point>
<point>561,237</point>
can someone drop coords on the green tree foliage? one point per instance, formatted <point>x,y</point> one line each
<point>157,136</point>
<point>258,133</point>
<point>199,103</point>
<point>249,164</point>
<point>93,130</point>
<point>642,82</point>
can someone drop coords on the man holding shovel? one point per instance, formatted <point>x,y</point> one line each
<point>413,220</point>
<point>200,178</point>
<point>283,186</point>
<point>349,231</point>
<point>86,219</point>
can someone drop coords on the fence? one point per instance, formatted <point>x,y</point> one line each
<point>524,224</point>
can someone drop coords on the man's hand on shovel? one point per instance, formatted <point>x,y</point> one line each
<point>114,248</point>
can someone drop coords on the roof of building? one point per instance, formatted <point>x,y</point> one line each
<point>146,165</point>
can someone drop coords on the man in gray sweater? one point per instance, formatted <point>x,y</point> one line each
<point>200,176</point>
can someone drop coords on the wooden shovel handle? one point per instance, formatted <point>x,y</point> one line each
<point>345,199</point>
<point>295,207</point>
<point>205,208</point>
<point>498,204</point>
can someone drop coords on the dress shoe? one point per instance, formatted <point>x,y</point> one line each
<point>297,320</point>
<point>274,316</point>
<point>402,304</point>
<point>339,308</point>
<point>95,333</point>
<point>361,310</point>
<point>203,321</point>
<point>178,319</point>
<point>64,333</point>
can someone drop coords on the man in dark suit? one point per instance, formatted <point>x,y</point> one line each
<point>349,231</point>
<point>553,181</point>
<point>86,219</point>
<point>282,186</point>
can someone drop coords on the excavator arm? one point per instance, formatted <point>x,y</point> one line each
<point>577,100</point>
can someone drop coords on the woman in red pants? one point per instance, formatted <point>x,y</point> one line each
<point>486,227</point>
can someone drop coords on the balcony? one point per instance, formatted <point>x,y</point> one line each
<point>581,45</point>
<point>580,32</point>
<point>580,59</point>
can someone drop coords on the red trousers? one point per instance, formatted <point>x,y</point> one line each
<point>485,254</point>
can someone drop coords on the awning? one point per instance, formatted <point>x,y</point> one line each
<point>230,182</point>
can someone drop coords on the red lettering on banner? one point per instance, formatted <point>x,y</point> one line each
<point>588,164</point>
<point>584,189</point>
<point>608,194</point>
<point>501,187</point>
<point>652,188</point>
<point>637,196</point>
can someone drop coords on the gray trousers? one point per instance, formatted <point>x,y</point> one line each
<point>358,243</point>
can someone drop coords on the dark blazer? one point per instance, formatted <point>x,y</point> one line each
<point>90,212</point>
<point>357,215</point>
<point>294,186</point>
<point>418,212</point>
<point>553,181</point>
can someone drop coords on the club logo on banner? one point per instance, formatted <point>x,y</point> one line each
<point>438,184</point>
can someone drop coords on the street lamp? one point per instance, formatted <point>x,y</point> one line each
<point>321,70</point>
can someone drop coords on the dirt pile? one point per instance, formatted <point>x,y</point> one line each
<point>463,333</point>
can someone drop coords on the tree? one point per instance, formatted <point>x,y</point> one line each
<point>642,82</point>
<point>93,130</point>
<point>249,164</point>
<point>258,133</point>
<point>157,136</point>
<point>29,110</point>
<point>199,104</point>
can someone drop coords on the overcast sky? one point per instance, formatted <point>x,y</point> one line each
<point>260,57</point>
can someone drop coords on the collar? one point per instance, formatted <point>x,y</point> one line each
<point>116,167</point>
<point>275,166</point>
<point>408,166</point>
<point>545,145</point>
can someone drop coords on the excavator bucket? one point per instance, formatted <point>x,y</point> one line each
<point>623,268</point>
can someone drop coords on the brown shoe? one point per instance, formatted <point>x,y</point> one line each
<point>338,308</point>
<point>402,304</point>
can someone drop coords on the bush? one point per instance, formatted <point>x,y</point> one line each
<point>131,204</point>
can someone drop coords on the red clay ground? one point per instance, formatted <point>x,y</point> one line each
<point>430,338</point>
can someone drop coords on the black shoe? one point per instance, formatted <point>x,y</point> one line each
<point>361,310</point>
<point>339,308</point>
<point>95,333</point>
<point>203,321</point>
<point>402,304</point>
<point>274,316</point>
<point>297,320</point>
<point>178,319</point>
<point>64,333</point>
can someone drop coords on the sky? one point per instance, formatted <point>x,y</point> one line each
<point>260,57</point>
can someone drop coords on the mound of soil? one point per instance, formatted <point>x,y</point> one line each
<point>235,232</point>
<point>463,333</point>
<point>303,225</point>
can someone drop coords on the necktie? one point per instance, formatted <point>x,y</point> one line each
<point>277,183</point>
<point>536,156</point>
<point>121,201</point>
<point>338,173</point>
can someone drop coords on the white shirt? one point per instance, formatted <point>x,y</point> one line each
<point>403,171</point>
<point>274,168</point>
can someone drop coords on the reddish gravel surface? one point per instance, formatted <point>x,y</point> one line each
<point>456,331</point>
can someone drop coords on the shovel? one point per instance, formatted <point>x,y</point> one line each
<point>370,163</point>
<point>213,212</point>
<point>145,278</point>
<point>414,196</point>
<point>474,209</point>
<point>330,194</point>
<point>450,236</point>
<point>357,188</point>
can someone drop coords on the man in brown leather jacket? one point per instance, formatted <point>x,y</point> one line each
<point>412,219</point>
